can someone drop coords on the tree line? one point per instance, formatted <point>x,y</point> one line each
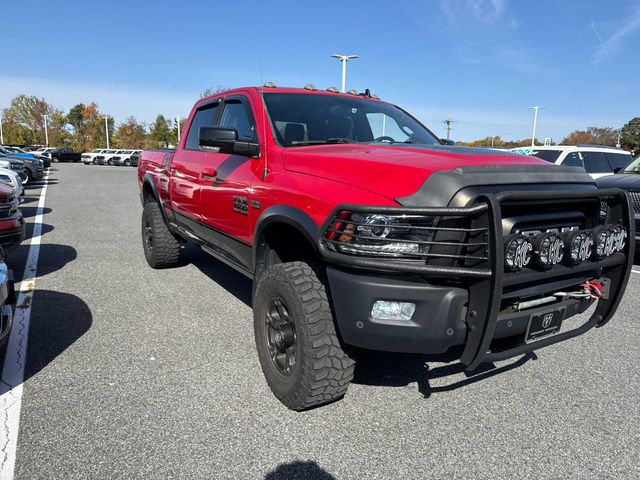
<point>83,128</point>
<point>628,137</point>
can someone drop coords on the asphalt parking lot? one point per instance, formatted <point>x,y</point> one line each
<point>136,373</point>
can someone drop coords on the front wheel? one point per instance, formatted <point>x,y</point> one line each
<point>299,350</point>
<point>27,178</point>
<point>127,163</point>
<point>161,248</point>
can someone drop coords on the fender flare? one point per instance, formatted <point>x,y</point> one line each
<point>288,215</point>
<point>149,180</point>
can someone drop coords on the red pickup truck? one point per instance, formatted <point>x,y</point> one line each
<point>360,228</point>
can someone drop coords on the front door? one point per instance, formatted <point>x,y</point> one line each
<point>226,195</point>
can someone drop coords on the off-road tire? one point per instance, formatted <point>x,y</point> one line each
<point>322,370</point>
<point>163,249</point>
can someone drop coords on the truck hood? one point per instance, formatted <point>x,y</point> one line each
<point>391,170</point>
<point>626,181</point>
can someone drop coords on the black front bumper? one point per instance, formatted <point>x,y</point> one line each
<point>468,314</point>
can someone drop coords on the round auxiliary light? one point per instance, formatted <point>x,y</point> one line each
<point>603,241</point>
<point>579,247</point>
<point>376,226</point>
<point>619,237</point>
<point>517,252</point>
<point>549,249</point>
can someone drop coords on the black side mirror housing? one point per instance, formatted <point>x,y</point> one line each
<point>446,141</point>
<point>225,140</point>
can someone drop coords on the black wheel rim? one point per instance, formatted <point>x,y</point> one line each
<point>148,234</point>
<point>280,335</point>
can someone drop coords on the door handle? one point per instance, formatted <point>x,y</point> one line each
<point>178,167</point>
<point>209,173</point>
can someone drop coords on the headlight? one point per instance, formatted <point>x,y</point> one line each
<point>619,234</point>
<point>603,242</point>
<point>399,236</point>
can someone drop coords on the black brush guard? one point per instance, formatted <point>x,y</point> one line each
<point>486,283</point>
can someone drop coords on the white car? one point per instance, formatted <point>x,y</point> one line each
<point>598,161</point>
<point>89,157</point>
<point>42,151</point>
<point>12,178</point>
<point>122,157</point>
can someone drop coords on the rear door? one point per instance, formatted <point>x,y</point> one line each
<point>226,197</point>
<point>187,166</point>
<point>596,164</point>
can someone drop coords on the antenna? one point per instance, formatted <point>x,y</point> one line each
<point>264,109</point>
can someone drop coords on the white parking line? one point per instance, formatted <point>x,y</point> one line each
<point>14,362</point>
<point>635,271</point>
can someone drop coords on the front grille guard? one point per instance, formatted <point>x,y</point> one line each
<point>485,284</point>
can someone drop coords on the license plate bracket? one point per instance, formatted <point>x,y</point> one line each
<point>542,325</point>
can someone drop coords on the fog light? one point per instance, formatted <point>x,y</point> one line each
<point>619,234</point>
<point>385,310</point>
<point>549,249</point>
<point>517,252</point>
<point>579,247</point>
<point>603,240</point>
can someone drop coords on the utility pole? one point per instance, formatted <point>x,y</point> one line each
<point>617,143</point>
<point>106,129</point>
<point>178,121</point>
<point>344,59</point>
<point>1,133</point>
<point>448,123</point>
<point>535,122</point>
<point>46,131</point>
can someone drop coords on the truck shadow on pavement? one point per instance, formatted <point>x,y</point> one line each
<point>400,370</point>
<point>299,470</point>
<point>228,278</point>
<point>58,320</point>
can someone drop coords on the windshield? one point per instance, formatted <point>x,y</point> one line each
<point>634,167</point>
<point>304,119</point>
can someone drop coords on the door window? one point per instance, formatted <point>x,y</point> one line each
<point>236,115</point>
<point>573,160</point>
<point>204,116</point>
<point>619,161</point>
<point>596,162</point>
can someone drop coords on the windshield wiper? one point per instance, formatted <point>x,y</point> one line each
<point>323,142</point>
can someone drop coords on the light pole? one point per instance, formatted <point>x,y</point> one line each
<point>535,122</point>
<point>46,130</point>
<point>106,129</point>
<point>344,59</point>
<point>1,133</point>
<point>178,122</point>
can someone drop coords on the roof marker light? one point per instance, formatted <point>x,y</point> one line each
<point>333,90</point>
<point>311,87</point>
<point>269,85</point>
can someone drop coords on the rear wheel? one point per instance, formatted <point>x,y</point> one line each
<point>161,248</point>
<point>299,350</point>
<point>27,178</point>
<point>127,163</point>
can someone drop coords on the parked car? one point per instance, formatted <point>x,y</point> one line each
<point>89,157</point>
<point>44,154</point>
<point>597,160</point>
<point>7,299</point>
<point>629,180</point>
<point>359,227</point>
<point>103,157</point>
<point>12,163</point>
<point>33,169</point>
<point>133,160</point>
<point>16,152</point>
<point>12,178</point>
<point>122,157</point>
<point>65,154</point>
<point>12,229</point>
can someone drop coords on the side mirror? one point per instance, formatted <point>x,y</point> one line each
<point>225,140</point>
<point>618,169</point>
<point>447,141</point>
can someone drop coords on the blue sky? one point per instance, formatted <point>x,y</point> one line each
<point>479,62</point>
